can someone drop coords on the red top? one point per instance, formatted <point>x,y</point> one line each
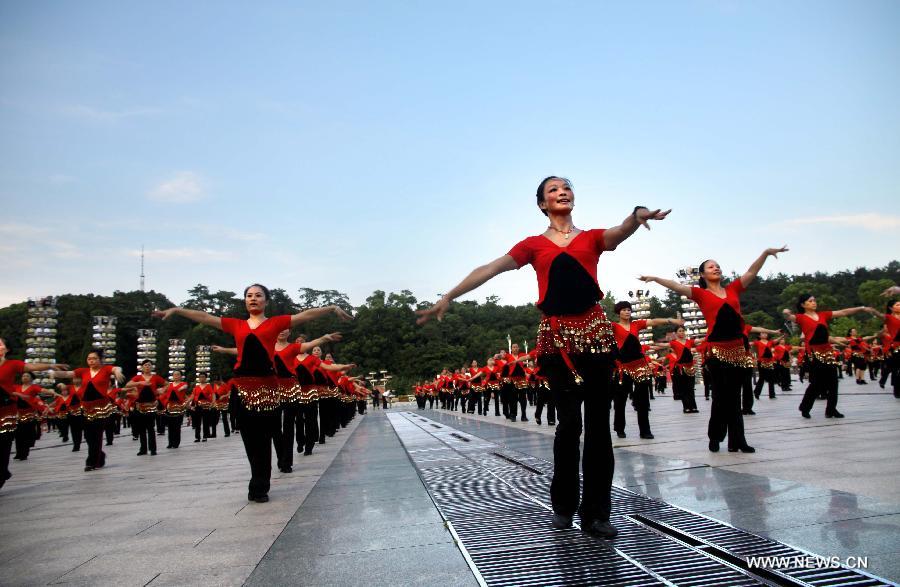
<point>627,340</point>
<point>567,276</point>
<point>682,351</point>
<point>893,327</point>
<point>286,360</point>
<point>334,376</point>
<point>763,349</point>
<point>33,402</point>
<point>255,346</point>
<point>146,391</point>
<point>96,387</point>
<point>723,315</point>
<point>9,370</point>
<point>815,332</point>
<point>203,393</point>
<point>175,393</point>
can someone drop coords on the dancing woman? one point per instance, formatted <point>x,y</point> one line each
<point>819,352</point>
<point>890,343</point>
<point>145,389</point>
<point>726,355</point>
<point>175,400</point>
<point>575,345</point>
<point>634,370</point>
<point>682,369</point>
<point>30,408</point>
<point>96,403</point>
<point>9,370</point>
<point>859,354</point>
<point>254,375</point>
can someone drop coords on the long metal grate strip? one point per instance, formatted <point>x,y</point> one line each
<point>496,501</point>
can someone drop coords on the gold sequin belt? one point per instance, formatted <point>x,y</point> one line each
<point>639,370</point>
<point>767,363</point>
<point>493,386</point>
<point>309,393</point>
<point>257,393</point>
<point>98,409</point>
<point>288,389</point>
<point>176,409</point>
<point>589,332</point>
<point>146,407</point>
<point>730,352</point>
<point>477,388</point>
<point>823,353</point>
<point>686,368</point>
<point>204,405</point>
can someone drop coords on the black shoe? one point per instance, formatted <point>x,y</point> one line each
<point>196,440</point>
<point>89,468</point>
<point>108,444</point>
<point>537,421</point>
<point>153,453</point>
<point>745,448</point>
<point>286,469</point>
<point>647,436</point>
<point>227,435</point>
<point>307,452</point>
<point>620,434</point>
<point>834,414</point>
<point>756,395</point>
<point>141,453</point>
<point>170,446</point>
<point>805,415</point>
<point>749,413</point>
<point>523,419</point>
<point>776,397</point>
<point>258,498</point>
<point>714,446</point>
<point>551,422</point>
<point>561,522</point>
<point>204,440</point>
<point>601,530</point>
<point>76,449</point>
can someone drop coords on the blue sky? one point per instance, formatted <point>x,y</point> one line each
<point>397,145</point>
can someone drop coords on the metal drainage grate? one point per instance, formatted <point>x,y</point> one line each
<point>496,504</point>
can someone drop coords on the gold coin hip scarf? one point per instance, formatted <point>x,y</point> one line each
<point>822,353</point>
<point>730,352</point>
<point>99,408</point>
<point>288,389</point>
<point>639,370</point>
<point>585,333</point>
<point>258,394</point>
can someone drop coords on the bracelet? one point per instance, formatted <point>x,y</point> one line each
<point>636,208</point>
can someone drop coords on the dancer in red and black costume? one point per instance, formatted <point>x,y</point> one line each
<point>634,373</point>
<point>726,354</point>
<point>859,349</point>
<point>60,409</point>
<point>254,375</point>
<point>9,370</point>
<point>145,389</point>
<point>764,350</point>
<point>682,370</point>
<point>823,365</point>
<point>890,344</point>
<point>514,382</point>
<point>782,355</point>
<point>575,346</point>
<point>30,411</point>
<point>202,406</point>
<point>175,400</point>
<point>96,403</point>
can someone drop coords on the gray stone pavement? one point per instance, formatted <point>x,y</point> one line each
<point>179,518</point>
<point>824,485</point>
<point>355,512</point>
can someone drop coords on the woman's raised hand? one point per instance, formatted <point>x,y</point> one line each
<point>436,311</point>
<point>164,314</point>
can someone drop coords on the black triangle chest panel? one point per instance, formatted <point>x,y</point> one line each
<point>570,288</point>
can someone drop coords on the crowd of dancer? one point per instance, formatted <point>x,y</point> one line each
<point>582,366</point>
<point>282,393</point>
<point>591,365</point>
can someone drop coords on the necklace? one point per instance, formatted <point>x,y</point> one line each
<point>565,233</point>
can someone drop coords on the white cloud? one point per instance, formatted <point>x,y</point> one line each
<point>185,254</point>
<point>182,188</point>
<point>866,221</point>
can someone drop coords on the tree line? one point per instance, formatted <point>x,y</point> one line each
<point>384,335</point>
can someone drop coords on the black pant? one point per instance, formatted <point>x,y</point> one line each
<point>258,433</point>
<point>891,368</point>
<point>290,414</point>
<point>597,461</point>
<point>6,441</point>
<point>160,424</point>
<point>76,425</point>
<point>223,414</point>
<point>640,401</point>
<point>545,398</point>
<point>683,387</point>
<point>202,419</point>
<point>765,376</point>
<point>822,381</point>
<point>173,425</point>
<point>62,424</point>
<point>783,374</point>
<point>110,429</point>
<point>747,392</point>
<point>725,418</point>
<point>475,401</point>
<point>145,424</point>
<point>24,439</point>
<point>308,426</point>
<point>93,435</point>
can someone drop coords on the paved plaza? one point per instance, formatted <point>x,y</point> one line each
<point>357,512</point>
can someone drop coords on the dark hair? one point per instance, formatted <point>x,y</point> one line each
<point>260,286</point>
<point>621,306</point>
<point>700,269</point>
<point>146,362</point>
<point>98,352</point>
<point>890,304</point>
<point>802,300</point>
<point>540,190</point>
<point>849,330</point>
